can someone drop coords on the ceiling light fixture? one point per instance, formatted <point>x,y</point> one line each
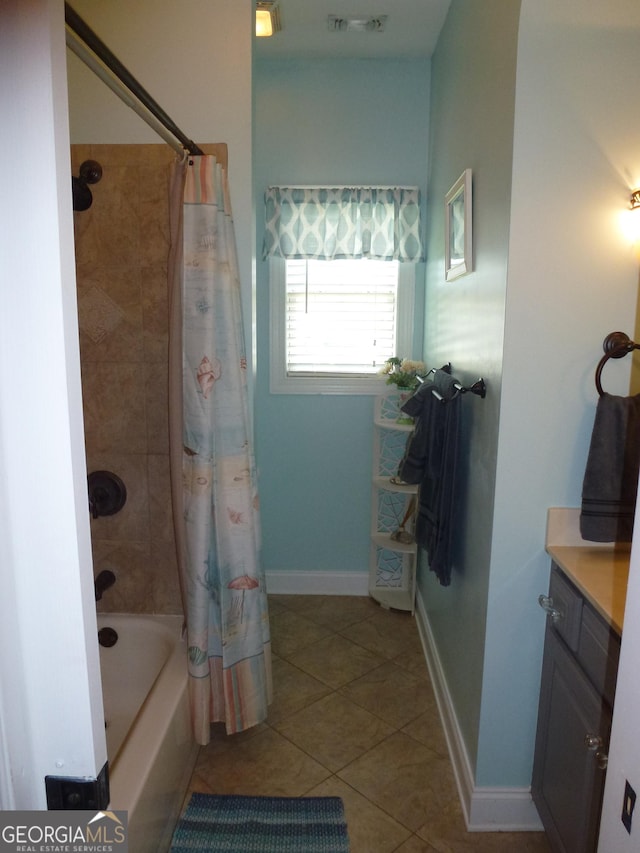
<point>375,24</point>
<point>267,18</point>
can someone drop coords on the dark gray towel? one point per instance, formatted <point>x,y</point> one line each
<point>611,475</point>
<point>418,406</point>
<point>430,459</point>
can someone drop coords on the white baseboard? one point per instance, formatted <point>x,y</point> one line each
<point>503,810</point>
<point>485,809</point>
<point>317,583</point>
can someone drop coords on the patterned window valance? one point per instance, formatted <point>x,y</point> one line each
<point>328,223</point>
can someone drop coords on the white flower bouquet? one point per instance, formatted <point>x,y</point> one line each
<point>404,372</point>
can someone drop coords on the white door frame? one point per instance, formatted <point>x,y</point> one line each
<point>51,717</point>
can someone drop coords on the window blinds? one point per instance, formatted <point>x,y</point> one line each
<point>340,316</point>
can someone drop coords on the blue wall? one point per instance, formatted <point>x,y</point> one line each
<point>534,100</point>
<point>472,110</point>
<point>326,122</point>
<point>569,285</point>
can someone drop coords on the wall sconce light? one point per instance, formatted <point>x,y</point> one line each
<point>631,223</point>
<point>267,18</point>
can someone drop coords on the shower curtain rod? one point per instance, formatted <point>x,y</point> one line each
<point>82,40</point>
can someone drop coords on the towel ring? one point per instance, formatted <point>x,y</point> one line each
<point>615,345</point>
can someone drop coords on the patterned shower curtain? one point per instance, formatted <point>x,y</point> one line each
<point>213,472</point>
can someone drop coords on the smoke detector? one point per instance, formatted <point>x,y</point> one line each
<point>357,24</point>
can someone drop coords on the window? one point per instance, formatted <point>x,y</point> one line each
<point>342,263</point>
<point>334,323</point>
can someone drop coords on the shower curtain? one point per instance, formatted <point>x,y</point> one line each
<point>212,468</point>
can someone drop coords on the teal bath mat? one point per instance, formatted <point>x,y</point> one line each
<point>230,824</point>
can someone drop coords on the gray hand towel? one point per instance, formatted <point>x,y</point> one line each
<point>611,475</point>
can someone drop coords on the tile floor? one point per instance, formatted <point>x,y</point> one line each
<point>353,716</point>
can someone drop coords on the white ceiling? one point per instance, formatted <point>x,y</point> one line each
<point>412,30</point>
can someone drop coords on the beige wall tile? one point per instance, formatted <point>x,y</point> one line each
<point>131,564</point>
<point>122,244</point>
<point>157,155</point>
<point>118,155</point>
<point>122,340</point>
<point>157,403</point>
<point>155,312</point>
<point>160,513</point>
<point>165,586</point>
<point>154,235</point>
<point>114,408</point>
<point>79,153</point>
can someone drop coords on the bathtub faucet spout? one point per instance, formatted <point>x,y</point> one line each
<point>104,580</point>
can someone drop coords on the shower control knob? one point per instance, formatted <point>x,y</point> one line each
<point>107,493</point>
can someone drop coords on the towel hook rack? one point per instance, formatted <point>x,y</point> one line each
<point>478,388</point>
<point>615,345</point>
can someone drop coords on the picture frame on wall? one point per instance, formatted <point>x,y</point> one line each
<point>458,228</point>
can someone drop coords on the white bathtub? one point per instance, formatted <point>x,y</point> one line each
<point>149,743</point>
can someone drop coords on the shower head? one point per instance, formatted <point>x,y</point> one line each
<point>90,173</point>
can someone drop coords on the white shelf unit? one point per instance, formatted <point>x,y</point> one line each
<point>392,564</point>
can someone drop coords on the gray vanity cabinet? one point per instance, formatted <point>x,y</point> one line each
<point>574,717</point>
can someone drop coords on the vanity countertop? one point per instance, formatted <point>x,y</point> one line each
<point>600,574</point>
<point>600,571</point>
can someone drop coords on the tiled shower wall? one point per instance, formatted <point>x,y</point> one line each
<point>122,242</point>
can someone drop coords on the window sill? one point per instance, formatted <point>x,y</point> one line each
<point>330,385</point>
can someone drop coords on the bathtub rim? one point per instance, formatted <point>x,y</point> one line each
<point>168,634</point>
<point>128,775</point>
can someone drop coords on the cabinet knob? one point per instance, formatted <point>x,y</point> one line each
<point>592,742</point>
<point>547,605</point>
